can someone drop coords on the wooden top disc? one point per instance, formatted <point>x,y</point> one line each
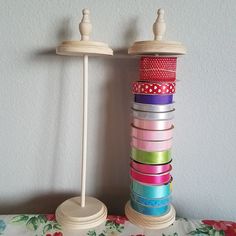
<point>79,48</point>
<point>84,46</point>
<point>158,46</point>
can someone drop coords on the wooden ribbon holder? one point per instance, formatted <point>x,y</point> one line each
<point>155,47</point>
<point>83,212</point>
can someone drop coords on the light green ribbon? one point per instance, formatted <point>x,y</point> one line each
<point>151,157</point>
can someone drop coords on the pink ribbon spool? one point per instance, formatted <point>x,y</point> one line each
<point>152,134</point>
<point>152,124</point>
<point>151,146</point>
<point>158,179</point>
<point>151,169</point>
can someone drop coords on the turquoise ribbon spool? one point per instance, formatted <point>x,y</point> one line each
<point>150,211</point>
<point>151,191</point>
<point>151,202</point>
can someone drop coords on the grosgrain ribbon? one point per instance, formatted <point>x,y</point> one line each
<point>152,124</point>
<point>151,191</point>
<point>152,134</point>
<point>150,211</point>
<point>151,146</point>
<point>151,157</point>
<point>153,99</point>
<point>158,179</point>
<point>152,107</point>
<point>158,69</point>
<point>169,115</point>
<point>151,169</point>
<point>151,202</point>
<point>141,87</point>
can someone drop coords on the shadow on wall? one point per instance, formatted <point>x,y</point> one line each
<point>114,191</point>
<point>122,70</point>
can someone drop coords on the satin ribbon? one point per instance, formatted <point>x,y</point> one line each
<point>169,115</point>
<point>158,179</point>
<point>153,108</point>
<point>153,99</point>
<point>151,191</point>
<point>157,158</point>
<point>152,124</point>
<point>152,134</point>
<point>151,146</point>
<point>151,169</point>
<point>141,87</point>
<point>151,202</point>
<point>150,211</point>
<point>158,69</point>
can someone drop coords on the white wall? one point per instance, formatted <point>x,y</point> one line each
<point>41,107</point>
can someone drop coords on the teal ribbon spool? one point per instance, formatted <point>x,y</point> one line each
<point>151,191</point>
<point>150,211</point>
<point>150,202</point>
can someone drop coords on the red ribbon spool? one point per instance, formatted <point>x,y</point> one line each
<point>141,87</point>
<point>158,69</point>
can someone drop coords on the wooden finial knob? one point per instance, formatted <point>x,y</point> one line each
<point>85,27</point>
<point>159,27</point>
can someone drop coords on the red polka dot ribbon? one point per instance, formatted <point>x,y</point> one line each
<point>153,88</point>
<point>158,69</point>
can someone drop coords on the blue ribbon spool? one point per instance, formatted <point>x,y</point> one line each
<point>150,202</point>
<point>153,99</point>
<point>151,191</point>
<point>150,211</point>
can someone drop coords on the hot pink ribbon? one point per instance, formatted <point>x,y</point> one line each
<point>151,169</point>
<point>158,179</point>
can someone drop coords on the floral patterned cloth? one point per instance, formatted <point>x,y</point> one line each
<point>46,225</point>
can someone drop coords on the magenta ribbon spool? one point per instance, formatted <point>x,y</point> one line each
<point>152,134</point>
<point>152,124</point>
<point>151,169</point>
<point>157,179</point>
<point>151,146</point>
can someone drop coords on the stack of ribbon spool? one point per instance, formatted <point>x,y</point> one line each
<point>152,135</point>
<point>152,130</point>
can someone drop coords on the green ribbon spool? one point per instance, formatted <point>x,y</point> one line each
<point>151,157</point>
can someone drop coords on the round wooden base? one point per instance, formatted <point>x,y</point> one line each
<point>72,216</point>
<point>149,222</point>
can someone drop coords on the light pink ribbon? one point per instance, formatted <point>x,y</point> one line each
<point>151,146</point>
<point>151,169</point>
<point>152,134</point>
<point>152,124</point>
<point>157,179</point>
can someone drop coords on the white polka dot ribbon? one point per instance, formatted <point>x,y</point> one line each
<point>153,88</point>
